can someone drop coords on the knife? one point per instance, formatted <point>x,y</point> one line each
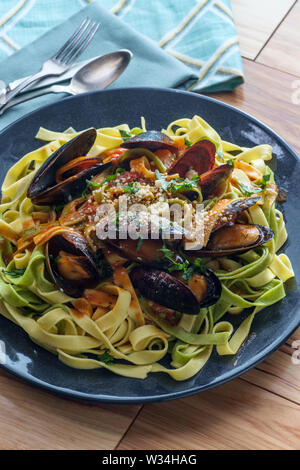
<point>47,81</point>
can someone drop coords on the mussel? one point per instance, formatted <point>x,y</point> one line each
<point>226,211</point>
<point>170,292</point>
<point>70,263</point>
<point>200,157</point>
<point>149,252</point>
<point>62,177</point>
<point>211,179</point>
<point>151,140</point>
<point>235,239</point>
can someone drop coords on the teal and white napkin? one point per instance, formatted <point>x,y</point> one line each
<point>186,44</point>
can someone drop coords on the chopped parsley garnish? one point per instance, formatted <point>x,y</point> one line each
<point>85,194</point>
<point>177,185</point>
<point>188,268</point>
<point>187,142</point>
<point>169,255</point>
<point>112,177</point>
<point>139,243</point>
<point>125,135</point>
<point>256,188</point>
<point>264,182</point>
<point>117,221</point>
<point>164,183</point>
<point>196,267</point>
<point>58,207</point>
<point>90,185</point>
<point>106,358</point>
<point>198,262</point>
<point>188,273</point>
<point>105,268</point>
<point>52,259</point>
<point>131,188</point>
<point>109,178</point>
<point>247,191</point>
<point>15,272</point>
<point>230,162</point>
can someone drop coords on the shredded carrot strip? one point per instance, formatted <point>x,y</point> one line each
<point>142,167</point>
<point>122,279</point>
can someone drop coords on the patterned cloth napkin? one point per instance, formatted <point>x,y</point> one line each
<point>186,44</point>
<point>200,33</point>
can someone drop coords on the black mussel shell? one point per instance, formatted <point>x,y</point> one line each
<point>233,209</point>
<point>73,243</point>
<point>235,239</point>
<point>44,190</point>
<point>151,140</point>
<point>214,289</point>
<point>45,176</point>
<point>64,192</point>
<point>170,292</point>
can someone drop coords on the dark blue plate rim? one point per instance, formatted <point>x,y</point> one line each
<point>97,398</point>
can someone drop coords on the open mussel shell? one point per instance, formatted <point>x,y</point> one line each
<point>211,179</point>
<point>200,157</point>
<point>214,289</point>
<point>70,263</point>
<point>44,189</point>
<point>72,187</point>
<point>151,140</point>
<point>232,209</point>
<point>236,239</point>
<point>170,292</point>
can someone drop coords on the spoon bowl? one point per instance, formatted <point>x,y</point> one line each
<point>100,72</point>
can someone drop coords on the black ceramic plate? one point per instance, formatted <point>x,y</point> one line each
<point>271,327</point>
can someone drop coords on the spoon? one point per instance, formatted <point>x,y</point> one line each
<point>96,75</point>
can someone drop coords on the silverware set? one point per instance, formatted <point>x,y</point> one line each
<point>94,74</point>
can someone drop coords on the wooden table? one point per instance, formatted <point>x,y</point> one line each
<point>259,410</point>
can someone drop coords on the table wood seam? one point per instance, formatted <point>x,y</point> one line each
<point>261,64</point>
<point>129,427</point>
<point>275,30</point>
<point>271,67</point>
<point>266,389</point>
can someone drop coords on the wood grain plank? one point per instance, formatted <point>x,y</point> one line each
<point>237,415</point>
<point>267,95</point>
<point>256,20</point>
<point>34,419</point>
<point>279,374</point>
<point>283,49</point>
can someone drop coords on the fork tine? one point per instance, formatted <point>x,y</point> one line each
<point>77,34</point>
<point>83,43</point>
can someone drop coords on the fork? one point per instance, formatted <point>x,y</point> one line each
<point>60,61</point>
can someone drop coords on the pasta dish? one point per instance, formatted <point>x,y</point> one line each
<point>138,250</point>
